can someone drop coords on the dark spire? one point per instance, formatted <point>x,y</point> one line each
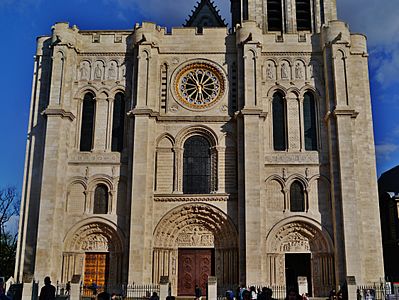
<point>205,14</point>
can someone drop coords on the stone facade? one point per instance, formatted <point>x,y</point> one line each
<point>247,218</point>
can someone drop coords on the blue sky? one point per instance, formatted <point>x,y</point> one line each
<point>21,21</point>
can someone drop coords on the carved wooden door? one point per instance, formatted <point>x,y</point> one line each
<point>96,269</point>
<point>195,265</point>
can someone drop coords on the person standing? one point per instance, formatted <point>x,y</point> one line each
<point>48,291</point>
<point>198,292</point>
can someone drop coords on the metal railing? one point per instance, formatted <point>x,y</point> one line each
<point>122,291</point>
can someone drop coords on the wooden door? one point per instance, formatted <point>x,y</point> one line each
<point>96,269</point>
<point>195,265</point>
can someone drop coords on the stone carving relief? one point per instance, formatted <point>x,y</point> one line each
<point>84,70</point>
<point>195,236</point>
<point>98,70</point>
<point>270,71</point>
<point>95,243</point>
<point>292,158</point>
<point>94,237</point>
<point>298,237</point>
<point>198,215</point>
<point>285,70</point>
<point>112,70</point>
<point>299,70</point>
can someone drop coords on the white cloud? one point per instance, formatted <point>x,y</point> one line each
<point>384,151</point>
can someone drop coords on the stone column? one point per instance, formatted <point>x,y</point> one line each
<point>212,288</point>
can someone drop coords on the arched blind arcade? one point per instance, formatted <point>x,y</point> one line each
<point>87,126</point>
<point>100,200</point>
<point>118,123</point>
<point>303,15</point>
<point>274,15</point>
<point>297,197</point>
<point>197,166</point>
<point>309,118</point>
<point>279,127</point>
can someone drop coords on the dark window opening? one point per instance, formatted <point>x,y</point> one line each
<point>100,199</point>
<point>309,118</point>
<point>274,15</point>
<point>118,123</point>
<point>197,166</point>
<point>303,15</point>
<point>87,130</point>
<point>297,197</point>
<point>279,128</point>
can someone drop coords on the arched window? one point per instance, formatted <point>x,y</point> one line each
<point>279,128</point>
<point>100,199</point>
<point>303,15</point>
<point>118,123</point>
<point>274,15</point>
<point>197,166</point>
<point>309,120</point>
<point>297,197</point>
<point>87,129</point>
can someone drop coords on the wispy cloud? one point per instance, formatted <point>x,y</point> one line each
<point>385,151</point>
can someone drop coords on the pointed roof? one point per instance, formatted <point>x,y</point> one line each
<point>205,14</point>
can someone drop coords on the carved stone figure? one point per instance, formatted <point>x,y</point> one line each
<point>98,72</point>
<point>84,71</point>
<point>298,71</point>
<point>112,71</point>
<point>284,71</point>
<point>270,71</point>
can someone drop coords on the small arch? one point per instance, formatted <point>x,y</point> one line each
<point>87,122</point>
<point>310,121</point>
<point>118,122</point>
<point>101,199</point>
<point>197,165</point>
<point>279,116</point>
<point>165,138</point>
<point>207,132</point>
<point>100,179</point>
<point>297,197</point>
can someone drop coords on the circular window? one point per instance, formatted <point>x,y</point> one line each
<point>199,85</point>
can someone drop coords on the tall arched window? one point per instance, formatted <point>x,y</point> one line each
<point>297,197</point>
<point>197,166</point>
<point>274,15</point>
<point>303,15</point>
<point>87,129</point>
<point>100,199</point>
<point>118,123</point>
<point>309,120</point>
<point>279,128</point>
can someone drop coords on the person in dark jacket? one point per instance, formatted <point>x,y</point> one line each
<point>198,292</point>
<point>48,291</point>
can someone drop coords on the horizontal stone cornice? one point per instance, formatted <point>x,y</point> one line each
<point>58,112</point>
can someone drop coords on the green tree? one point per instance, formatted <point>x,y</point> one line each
<point>9,209</point>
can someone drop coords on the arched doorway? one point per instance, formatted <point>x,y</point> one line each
<point>192,242</point>
<point>300,247</point>
<point>93,250</point>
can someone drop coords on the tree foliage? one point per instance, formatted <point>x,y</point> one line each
<point>9,208</point>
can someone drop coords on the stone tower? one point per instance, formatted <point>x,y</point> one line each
<point>245,154</point>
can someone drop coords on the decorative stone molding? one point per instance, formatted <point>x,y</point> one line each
<point>52,111</point>
<point>192,198</point>
<point>293,158</point>
<point>95,158</point>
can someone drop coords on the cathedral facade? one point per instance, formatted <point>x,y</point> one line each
<point>245,154</point>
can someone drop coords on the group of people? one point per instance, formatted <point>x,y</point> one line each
<point>242,293</point>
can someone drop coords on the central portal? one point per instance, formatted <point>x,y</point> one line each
<point>195,265</point>
<point>298,265</point>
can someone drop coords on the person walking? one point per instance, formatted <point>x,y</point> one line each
<point>48,291</point>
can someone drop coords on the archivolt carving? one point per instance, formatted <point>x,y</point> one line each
<point>94,237</point>
<point>212,227</point>
<point>299,236</point>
